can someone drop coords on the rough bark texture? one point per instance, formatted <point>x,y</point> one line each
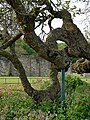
<point>9,42</point>
<point>81,66</point>
<point>69,33</point>
<point>72,36</point>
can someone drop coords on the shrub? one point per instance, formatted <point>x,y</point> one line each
<point>21,43</point>
<point>22,107</point>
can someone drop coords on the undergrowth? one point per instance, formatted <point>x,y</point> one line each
<point>18,106</point>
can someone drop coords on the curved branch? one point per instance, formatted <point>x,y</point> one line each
<point>27,21</point>
<point>50,93</point>
<point>47,52</point>
<point>17,64</point>
<point>72,36</point>
<point>33,40</point>
<point>69,33</point>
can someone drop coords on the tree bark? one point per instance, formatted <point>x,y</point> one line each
<point>81,66</point>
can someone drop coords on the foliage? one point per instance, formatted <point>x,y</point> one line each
<point>26,47</point>
<point>61,45</point>
<point>78,100</point>
<point>15,105</point>
<point>45,85</point>
<point>22,107</point>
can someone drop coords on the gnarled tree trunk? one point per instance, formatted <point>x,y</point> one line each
<point>69,33</point>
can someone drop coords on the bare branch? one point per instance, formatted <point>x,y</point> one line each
<point>11,41</point>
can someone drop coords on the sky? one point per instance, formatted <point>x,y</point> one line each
<point>80,20</point>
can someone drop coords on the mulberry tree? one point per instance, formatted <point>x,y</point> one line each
<point>30,12</point>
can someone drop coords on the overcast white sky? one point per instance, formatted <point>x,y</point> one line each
<point>79,19</point>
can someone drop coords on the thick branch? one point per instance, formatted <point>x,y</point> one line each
<point>47,52</point>
<point>17,64</point>
<point>33,40</point>
<point>11,41</point>
<point>77,44</point>
<point>19,9</point>
<point>50,93</point>
<point>26,20</point>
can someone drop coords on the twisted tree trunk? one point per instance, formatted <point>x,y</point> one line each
<point>69,33</point>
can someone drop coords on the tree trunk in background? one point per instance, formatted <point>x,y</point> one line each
<point>81,66</point>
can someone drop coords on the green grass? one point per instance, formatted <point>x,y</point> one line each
<point>19,106</point>
<point>34,80</point>
<point>83,78</point>
<point>16,80</point>
<point>86,80</point>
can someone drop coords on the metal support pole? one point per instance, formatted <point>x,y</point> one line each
<point>63,84</point>
<point>63,89</point>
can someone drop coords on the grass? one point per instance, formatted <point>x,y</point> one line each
<point>13,84</point>
<point>16,80</point>
<point>86,80</point>
<point>34,80</point>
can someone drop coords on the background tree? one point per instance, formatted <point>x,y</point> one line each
<point>30,12</point>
